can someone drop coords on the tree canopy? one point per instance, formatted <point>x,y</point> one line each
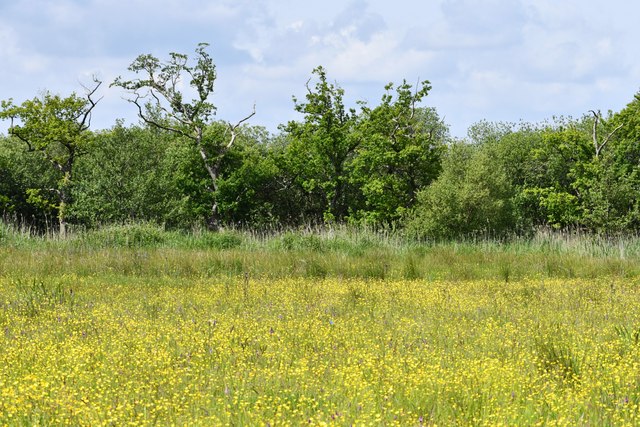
<point>391,164</point>
<point>57,128</point>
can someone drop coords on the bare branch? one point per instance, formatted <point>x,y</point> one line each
<point>20,137</point>
<point>600,146</point>
<point>606,140</point>
<point>413,101</point>
<point>214,169</point>
<point>232,128</point>
<point>594,132</point>
<point>307,86</point>
<point>85,123</point>
<point>253,113</point>
<point>155,123</point>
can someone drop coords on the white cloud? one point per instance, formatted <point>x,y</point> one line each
<point>493,59</point>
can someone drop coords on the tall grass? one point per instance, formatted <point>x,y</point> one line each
<point>149,250</point>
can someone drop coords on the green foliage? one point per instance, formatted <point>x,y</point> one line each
<point>570,174</point>
<point>188,183</point>
<point>470,197</point>
<point>23,172</point>
<point>124,178</point>
<point>166,109</point>
<point>629,134</point>
<point>585,179</point>
<point>58,129</point>
<point>249,194</point>
<point>383,166</point>
<point>36,198</point>
<point>321,148</point>
<point>560,209</point>
<point>612,186</point>
<point>399,155</point>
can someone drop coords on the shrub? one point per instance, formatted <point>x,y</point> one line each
<point>472,196</point>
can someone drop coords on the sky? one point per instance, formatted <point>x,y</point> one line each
<point>495,60</point>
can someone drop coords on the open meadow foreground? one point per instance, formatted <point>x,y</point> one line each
<point>318,331</point>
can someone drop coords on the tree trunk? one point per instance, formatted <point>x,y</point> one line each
<point>64,195</point>
<point>213,222</point>
<point>62,219</point>
<point>62,224</point>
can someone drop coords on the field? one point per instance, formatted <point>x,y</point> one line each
<point>308,330</point>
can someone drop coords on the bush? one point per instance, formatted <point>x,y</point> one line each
<point>472,196</point>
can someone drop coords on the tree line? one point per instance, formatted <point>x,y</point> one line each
<point>392,165</point>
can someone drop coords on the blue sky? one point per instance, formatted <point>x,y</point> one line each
<point>499,60</point>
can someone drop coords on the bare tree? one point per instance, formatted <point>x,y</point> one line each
<point>160,103</point>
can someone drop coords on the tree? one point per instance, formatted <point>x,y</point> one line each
<point>23,173</point>
<point>471,196</point>
<point>611,180</point>
<point>160,103</point>
<point>400,152</point>
<point>574,181</point>
<point>124,178</point>
<point>58,129</point>
<point>250,192</point>
<point>563,175</point>
<point>322,146</point>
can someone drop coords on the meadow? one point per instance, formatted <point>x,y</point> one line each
<point>133,326</point>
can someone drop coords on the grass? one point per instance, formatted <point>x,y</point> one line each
<point>137,326</point>
<point>147,250</point>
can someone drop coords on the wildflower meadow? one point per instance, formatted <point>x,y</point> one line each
<point>161,345</point>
